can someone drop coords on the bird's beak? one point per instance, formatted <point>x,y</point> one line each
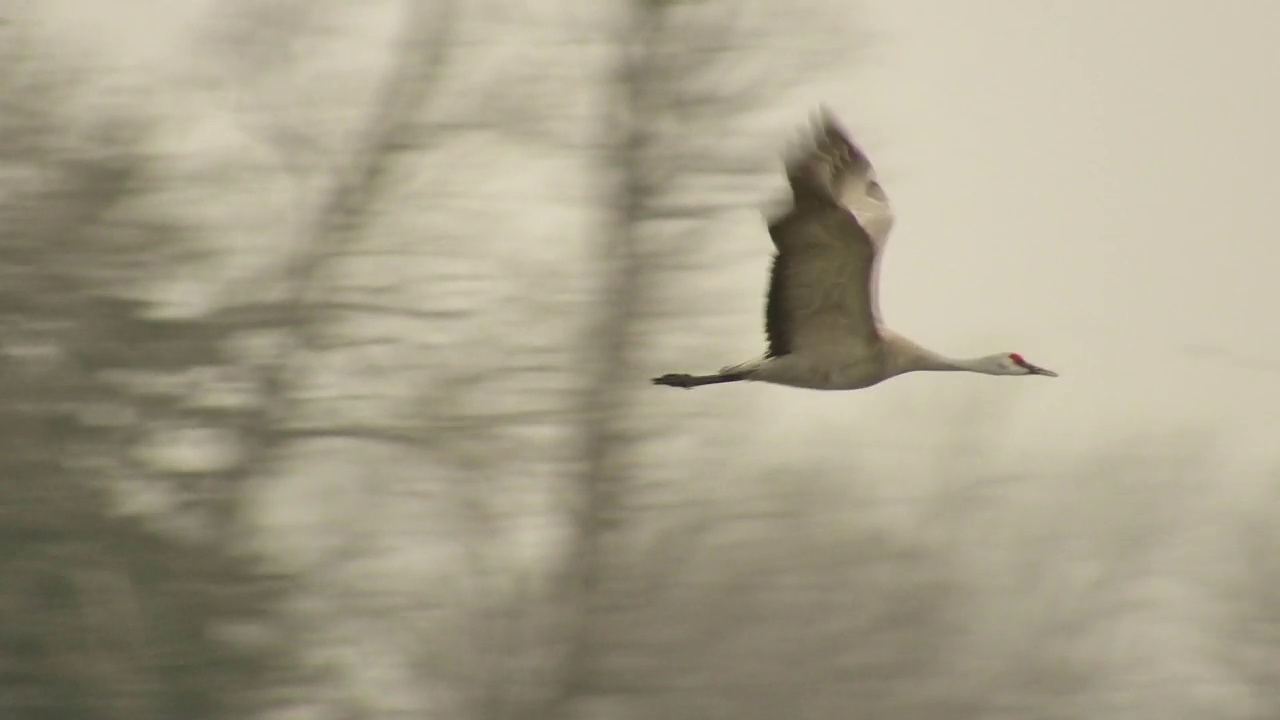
<point>1041,371</point>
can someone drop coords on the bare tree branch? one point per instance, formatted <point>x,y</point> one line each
<point>417,67</point>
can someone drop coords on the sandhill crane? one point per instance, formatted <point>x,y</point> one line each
<point>822,315</point>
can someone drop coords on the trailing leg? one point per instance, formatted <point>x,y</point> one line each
<point>683,380</point>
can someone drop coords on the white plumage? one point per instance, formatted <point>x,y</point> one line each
<point>822,317</point>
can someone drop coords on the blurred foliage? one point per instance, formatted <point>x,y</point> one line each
<point>788,614</point>
<point>1248,592</point>
<point>1113,582</point>
<point>102,614</point>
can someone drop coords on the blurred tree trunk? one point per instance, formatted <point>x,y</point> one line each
<point>339,219</point>
<point>609,361</point>
<point>682,75</point>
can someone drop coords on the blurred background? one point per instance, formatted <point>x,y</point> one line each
<point>326,330</point>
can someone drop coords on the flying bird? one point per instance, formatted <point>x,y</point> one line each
<point>822,314</point>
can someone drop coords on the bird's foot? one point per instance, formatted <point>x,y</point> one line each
<point>680,380</point>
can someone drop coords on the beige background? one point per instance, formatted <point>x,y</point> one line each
<point>1088,183</point>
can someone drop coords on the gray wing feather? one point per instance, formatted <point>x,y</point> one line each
<point>823,283</point>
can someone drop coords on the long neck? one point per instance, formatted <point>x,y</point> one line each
<point>927,360</point>
<point>979,365</point>
<point>910,357</point>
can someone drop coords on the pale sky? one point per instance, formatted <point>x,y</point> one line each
<point>1089,183</point>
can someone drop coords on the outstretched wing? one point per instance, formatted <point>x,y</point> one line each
<point>823,284</point>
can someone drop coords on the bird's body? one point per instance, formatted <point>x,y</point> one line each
<point>822,316</point>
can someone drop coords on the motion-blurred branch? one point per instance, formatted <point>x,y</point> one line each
<point>675,81</point>
<point>597,488</point>
<point>416,68</point>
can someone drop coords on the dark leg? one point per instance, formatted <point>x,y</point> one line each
<point>681,380</point>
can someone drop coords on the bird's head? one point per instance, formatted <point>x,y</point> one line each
<point>1015,364</point>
